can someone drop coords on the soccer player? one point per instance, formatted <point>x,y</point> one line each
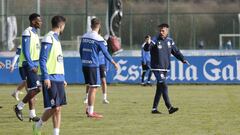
<point>91,44</point>
<point>52,75</point>
<point>103,67</point>
<point>21,72</point>
<point>29,57</point>
<point>161,47</point>
<point>146,63</point>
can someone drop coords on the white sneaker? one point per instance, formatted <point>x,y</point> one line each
<point>15,95</point>
<point>105,101</point>
<point>85,101</point>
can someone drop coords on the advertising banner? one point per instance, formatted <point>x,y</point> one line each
<point>203,69</point>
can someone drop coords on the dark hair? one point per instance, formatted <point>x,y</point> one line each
<point>56,20</point>
<point>163,25</point>
<point>33,16</point>
<point>147,36</point>
<point>95,22</point>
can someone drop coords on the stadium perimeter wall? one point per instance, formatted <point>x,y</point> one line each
<point>203,70</point>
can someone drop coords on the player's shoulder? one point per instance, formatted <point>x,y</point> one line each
<point>85,35</point>
<point>93,35</point>
<point>100,38</point>
<point>170,40</point>
<point>26,32</point>
<point>48,37</point>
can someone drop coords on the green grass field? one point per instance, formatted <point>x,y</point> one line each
<point>204,110</point>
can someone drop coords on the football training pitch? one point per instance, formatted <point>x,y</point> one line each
<point>204,110</point>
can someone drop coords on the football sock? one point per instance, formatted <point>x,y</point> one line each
<point>20,105</point>
<point>39,124</point>
<point>32,113</point>
<point>143,75</point>
<point>105,96</point>
<point>90,109</point>
<point>56,131</point>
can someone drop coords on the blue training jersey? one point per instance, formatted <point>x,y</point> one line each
<point>91,45</point>
<point>44,54</point>
<point>145,55</point>
<point>26,47</point>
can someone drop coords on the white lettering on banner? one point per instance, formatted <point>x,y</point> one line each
<point>192,69</point>
<point>226,73</point>
<point>118,76</point>
<point>215,71</point>
<point>226,70</point>
<point>189,74</point>
<point>8,64</point>
<point>173,72</point>
<point>133,72</point>
<point>238,68</point>
<point>181,72</point>
<point>212,70</point>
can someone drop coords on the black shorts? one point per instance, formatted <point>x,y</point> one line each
<point>54,96</point>
<point>102,69</point>
<point>33,81</point>
<point>22,73</point>
<point>91,76</point>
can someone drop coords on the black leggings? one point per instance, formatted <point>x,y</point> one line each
<point>162,89</point>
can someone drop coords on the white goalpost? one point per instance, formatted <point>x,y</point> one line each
<point>221,36</point>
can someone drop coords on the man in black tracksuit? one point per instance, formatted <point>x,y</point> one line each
<point>161,47</point>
